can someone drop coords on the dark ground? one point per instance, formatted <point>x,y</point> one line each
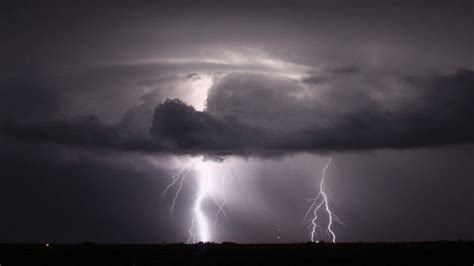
<point>426,253</point>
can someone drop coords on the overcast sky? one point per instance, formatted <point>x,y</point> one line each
<point>102,102</point>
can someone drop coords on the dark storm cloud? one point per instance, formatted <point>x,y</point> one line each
<point>181,128</point>
<point>85,131</point>
<point>434,111</point>
<point>256,114</point>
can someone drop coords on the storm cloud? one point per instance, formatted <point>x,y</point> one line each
<point>263,115</point>
<point>347,114</point>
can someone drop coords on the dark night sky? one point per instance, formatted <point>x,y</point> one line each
<point>101,102</point>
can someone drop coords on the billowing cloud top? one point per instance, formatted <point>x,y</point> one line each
<point>263,114</point>
<point>259,114</point>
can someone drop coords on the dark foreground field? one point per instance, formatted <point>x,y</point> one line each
<point>427,253</point>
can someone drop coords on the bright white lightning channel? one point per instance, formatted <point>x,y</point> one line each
<point>206,189</point>
<point>321,200</point>
<point>199,217</point>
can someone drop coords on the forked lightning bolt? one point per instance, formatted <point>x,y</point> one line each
<point>321,201</point>
<point>199,228</point>
<point>179,176</point>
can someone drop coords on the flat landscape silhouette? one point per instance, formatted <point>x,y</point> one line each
<point>401,253</point>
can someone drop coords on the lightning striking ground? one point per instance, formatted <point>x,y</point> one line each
<point>321,200</point>
<point>199,229</point>
<point>199,215</point>
<point>208,191</point>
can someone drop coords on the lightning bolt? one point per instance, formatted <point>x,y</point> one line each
<point>180,176</point>
<point>220,205</point>
<point>199,228</point>
<point>230,174</point>
<point>321,202</point>
<point>192,236</point>
<point>199,215</point>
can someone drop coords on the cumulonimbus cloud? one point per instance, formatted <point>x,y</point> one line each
<point>264,115</point>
